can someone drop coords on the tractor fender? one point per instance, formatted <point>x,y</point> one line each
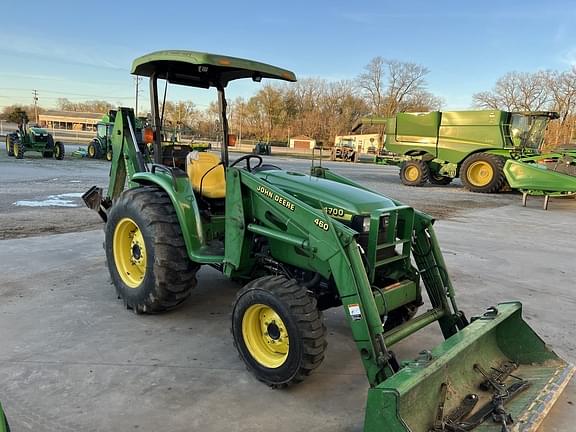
<point>182,197</point>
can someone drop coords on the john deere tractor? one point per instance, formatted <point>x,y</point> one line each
<point>101,147</point>
<point>35,139</point>
<point>300,244</point>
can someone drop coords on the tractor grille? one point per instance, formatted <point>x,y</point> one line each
<point>389,238</point>
<point>40,138</point>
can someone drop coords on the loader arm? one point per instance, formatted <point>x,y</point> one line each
<point>257,208</point>
<point>128,159</point>
<point>444,389</point>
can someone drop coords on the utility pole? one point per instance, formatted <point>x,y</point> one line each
<point>137,92</point>
<point>35,97</point>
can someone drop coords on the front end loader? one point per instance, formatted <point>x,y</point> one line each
<point>303,243</point>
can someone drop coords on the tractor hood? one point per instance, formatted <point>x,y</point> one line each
<point>38,131</point>
<point>318,192</point>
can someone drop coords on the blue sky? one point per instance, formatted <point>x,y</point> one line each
<point>84,50</point>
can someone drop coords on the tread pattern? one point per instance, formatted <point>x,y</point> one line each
<point>497,163</point>
<point>422,166</point>
<point>174,275</point>
<point>308,319</point>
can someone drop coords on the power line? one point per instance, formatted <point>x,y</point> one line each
<point>67,93</point>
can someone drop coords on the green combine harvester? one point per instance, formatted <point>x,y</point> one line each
<point>488,150</point>
<point>303,243</point>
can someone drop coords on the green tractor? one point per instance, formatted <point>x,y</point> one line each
<point>101,146</point>
<point>300,244</point>
<point>33,138</point>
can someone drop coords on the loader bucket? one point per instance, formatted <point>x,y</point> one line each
<point>494,371</point>
<point>549,177</point>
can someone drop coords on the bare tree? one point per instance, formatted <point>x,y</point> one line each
<point>389,85</point>
<point>371,82</point>
<point>517,91</point>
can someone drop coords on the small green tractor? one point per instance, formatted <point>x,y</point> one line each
<point>262,148</point>
<point>300,244</point>
<point>36,139</point>
<point>101,146</point>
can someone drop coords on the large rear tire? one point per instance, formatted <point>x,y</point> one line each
<point>9,145</point>
<point>278,330</point>
<point>414,172</point>
<point>94,150</point>
<point>59,150</point>
<point>146,253</point>
<point>483,173</point>
<point>18,147</point>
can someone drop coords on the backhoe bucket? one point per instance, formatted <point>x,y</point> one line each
<point>94,201</point>
<point>494,375</point>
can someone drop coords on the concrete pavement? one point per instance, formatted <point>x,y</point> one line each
<point>73,359</point>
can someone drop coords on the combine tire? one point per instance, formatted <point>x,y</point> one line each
<point>437,179</point>
<point>483,173</point>
<point>59,150</point>
<point>18,147</point>
<point>9,146</point>
<point>94,150</point>
<point>278,330</point>
<point>145,252</point>
<point>414,172</point>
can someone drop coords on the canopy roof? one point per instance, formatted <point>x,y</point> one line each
<point>204,69</point>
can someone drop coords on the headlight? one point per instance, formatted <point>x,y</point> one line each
<point>366,224</point>
<point>361,223</point>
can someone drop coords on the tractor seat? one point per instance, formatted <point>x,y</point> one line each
<point>207,165</point>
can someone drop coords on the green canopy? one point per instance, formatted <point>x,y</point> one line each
<point>204,69</point>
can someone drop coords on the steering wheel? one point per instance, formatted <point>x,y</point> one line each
<point>247,158</point>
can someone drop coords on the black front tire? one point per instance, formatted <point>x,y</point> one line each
<point>414,172</point>
<point>170,275</point>
<point>301,320</point>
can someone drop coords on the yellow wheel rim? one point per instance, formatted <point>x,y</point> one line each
<point>480,173</point>
<point>265,336</point>
<point>109,155</point>
<point>412,173</point>
<point>16,150</point>
<point>129,252</point>
<point>91,151</point>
